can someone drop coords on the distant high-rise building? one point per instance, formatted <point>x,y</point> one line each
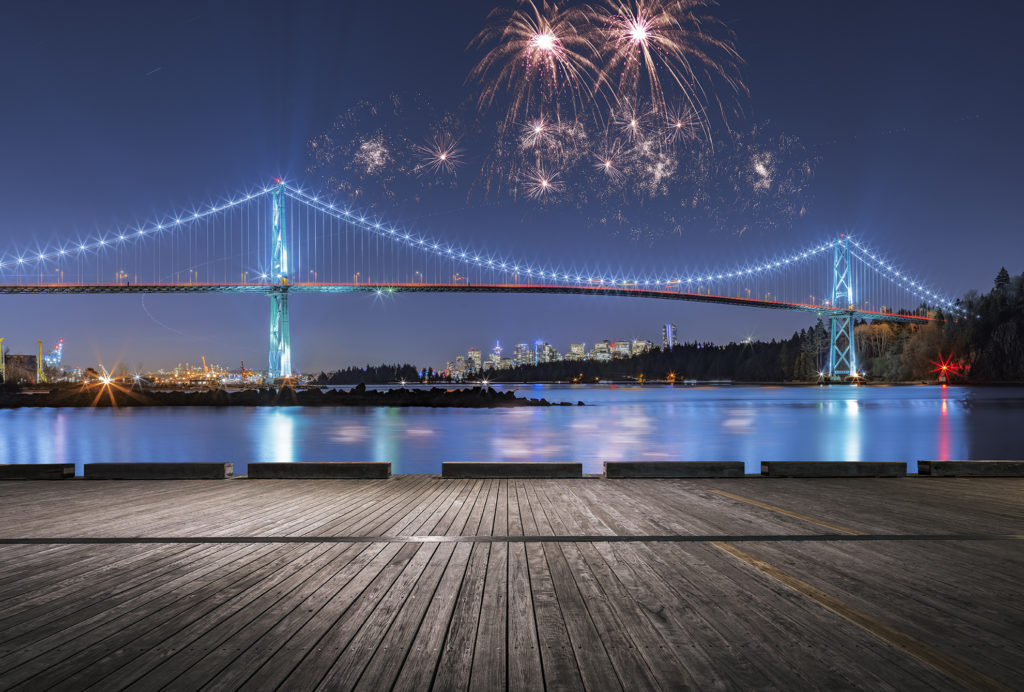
<point>459,371</point>
<point>473,361</point>
<point>548,354</point>
<point>53,358</point>
<point>545,352</point>
<point>576,352</point>
<point>668,336</point>
<point>620,349</point>
<point>496,353</point>
<point>641,346</point>
<point>602,351</point>
<point>522,354</point>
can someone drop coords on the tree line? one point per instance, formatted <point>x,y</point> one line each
<point>987,346</point>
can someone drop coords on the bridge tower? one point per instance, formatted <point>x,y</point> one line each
<point>842,360</point>
<point>280,334</point>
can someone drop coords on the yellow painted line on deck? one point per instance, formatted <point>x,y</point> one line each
<point>790,513</point>
<point>947,665</point>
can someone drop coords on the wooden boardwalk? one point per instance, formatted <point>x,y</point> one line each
<point>418,583</point>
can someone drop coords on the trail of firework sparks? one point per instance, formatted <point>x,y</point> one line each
<point>549,58</point>
<point>648,43</point>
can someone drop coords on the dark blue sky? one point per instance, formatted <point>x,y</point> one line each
<point>119,111</point>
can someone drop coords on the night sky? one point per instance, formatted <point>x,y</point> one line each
<point>117,112</point>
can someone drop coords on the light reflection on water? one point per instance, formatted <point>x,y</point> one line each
<point>621,423</point>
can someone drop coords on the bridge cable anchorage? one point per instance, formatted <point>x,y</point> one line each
<point>302,242</point>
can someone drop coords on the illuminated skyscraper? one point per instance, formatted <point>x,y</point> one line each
<point>621,349</point>
<point>473,361</point>
<point>668,336</point>
<point>602,351</point>
<point>641,346</point>
<point>522,354</point>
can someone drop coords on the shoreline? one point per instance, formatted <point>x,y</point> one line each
<point>359,395</point>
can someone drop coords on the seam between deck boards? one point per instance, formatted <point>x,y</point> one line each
<point>789,513</point>
<point>769,538</point>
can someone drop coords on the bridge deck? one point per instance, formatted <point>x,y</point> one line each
<point>417,582</point>
<point>630,291</point>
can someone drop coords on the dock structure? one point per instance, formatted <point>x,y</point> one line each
<point>420,582</point>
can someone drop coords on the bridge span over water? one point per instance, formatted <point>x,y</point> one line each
<point>301,243</point>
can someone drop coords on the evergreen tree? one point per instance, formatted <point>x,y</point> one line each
<point>1002,279</point>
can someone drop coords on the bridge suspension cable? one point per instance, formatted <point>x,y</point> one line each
<point>279,239</point>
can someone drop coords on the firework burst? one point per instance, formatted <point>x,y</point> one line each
<point>609,161</point>
<point>683,124</point>
<point>539,55</point>
<point>648,44</point>
<point>541,184</point>
<point>537,134</point>
<point>440,155</point>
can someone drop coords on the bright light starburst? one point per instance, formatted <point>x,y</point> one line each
<point>541,184</point>
<point>440,155</point>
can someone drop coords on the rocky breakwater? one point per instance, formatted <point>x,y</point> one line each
<point>111,396</point>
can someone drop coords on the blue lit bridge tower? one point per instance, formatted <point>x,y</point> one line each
<point>842,360</point>
<point>280,335</point>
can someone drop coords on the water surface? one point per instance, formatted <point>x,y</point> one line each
<point>749,424</point>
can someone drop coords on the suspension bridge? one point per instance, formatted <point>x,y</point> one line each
<point>281,240</point>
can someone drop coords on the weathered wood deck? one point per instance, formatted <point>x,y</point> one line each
<point>417,582</point>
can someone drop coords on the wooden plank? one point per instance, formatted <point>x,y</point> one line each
<point>275,652</point>
<point>121,621</point>
<point>524,664</point>
<point>42,617</point>
<point>292,665</point>
<point>558,660</point>
<point>211,621</point>
<point>490,654</point>
<point>637,650</point>
<point>392,651</point>
<point>456,661</point>
<point>425,653</point>
<point>593,648</point>
<point>189,661</point>
<point>347,665</point>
